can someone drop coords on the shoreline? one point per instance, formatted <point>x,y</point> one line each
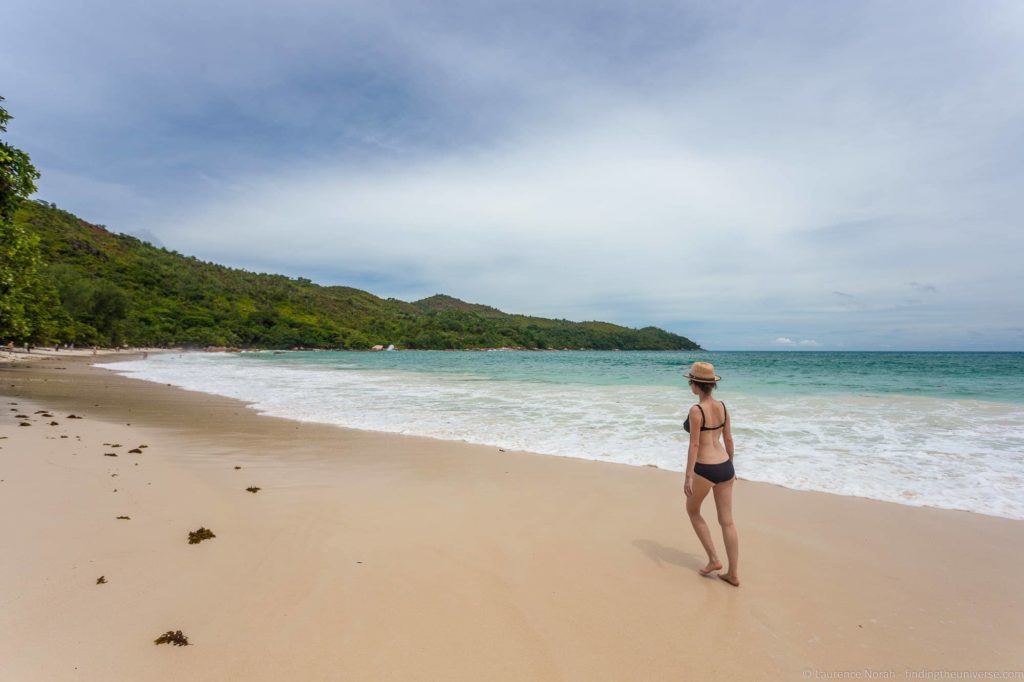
<point>794,484</point>
<point>369,555</point>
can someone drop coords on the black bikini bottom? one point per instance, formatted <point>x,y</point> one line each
<point>716,473</point>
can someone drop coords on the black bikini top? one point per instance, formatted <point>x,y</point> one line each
<point>686,424</point>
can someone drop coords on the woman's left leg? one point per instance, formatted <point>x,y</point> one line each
<point>723,502</point>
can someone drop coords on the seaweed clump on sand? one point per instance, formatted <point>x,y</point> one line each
<point>127,518</point>
<point>73,416</point>
<point>197,536</point>
<point>102,580</point>
<point>172,637</point>
<point>135,451</point>
<point>253,489</point>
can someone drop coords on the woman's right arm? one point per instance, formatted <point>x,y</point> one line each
<point>696,421</point>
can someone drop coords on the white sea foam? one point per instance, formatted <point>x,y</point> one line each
<point>954,454</point>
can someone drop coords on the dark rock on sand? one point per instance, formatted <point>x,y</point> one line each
<point>200,534</point>
<point>172,637</point>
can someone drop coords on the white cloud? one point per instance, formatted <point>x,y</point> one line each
<point>737,169</point>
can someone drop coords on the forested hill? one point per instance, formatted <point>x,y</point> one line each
<point>116,289</point>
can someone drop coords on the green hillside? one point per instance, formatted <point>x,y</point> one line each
<point>116,289</point>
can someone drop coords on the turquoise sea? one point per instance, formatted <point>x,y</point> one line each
<point>935,429</point>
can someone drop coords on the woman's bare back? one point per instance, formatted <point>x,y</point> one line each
<point>715,422</point>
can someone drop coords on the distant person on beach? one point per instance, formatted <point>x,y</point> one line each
<point>709,468</point>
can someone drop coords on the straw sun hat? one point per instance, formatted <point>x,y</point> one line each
<point>703,373</point>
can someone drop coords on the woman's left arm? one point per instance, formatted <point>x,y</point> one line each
<point>730,449</point>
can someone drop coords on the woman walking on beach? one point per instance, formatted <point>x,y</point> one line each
<point>709,467</point>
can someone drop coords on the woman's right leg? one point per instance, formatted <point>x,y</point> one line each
<point>723,502</point>
<point>701,487</point>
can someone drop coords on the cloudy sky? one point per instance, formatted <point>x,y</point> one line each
<point>802,175</point>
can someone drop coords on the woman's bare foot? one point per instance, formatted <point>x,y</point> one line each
<point>731,579</point>
<point>711,567</point>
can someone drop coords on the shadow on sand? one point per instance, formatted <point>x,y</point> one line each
<point>660,554</point>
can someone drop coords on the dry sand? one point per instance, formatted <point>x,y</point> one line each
<point>368,556</point>
<point>21,355</point>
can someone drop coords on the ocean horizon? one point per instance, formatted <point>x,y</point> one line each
<point>924,428</point>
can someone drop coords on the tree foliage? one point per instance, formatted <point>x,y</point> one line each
<point>63,279</point>
<point>28,310</point>
<point>17,174</point>
<point>114,288</point>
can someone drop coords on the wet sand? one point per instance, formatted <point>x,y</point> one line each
<point>368,556</point>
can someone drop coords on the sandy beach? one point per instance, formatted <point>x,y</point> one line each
<point>368,556</point>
